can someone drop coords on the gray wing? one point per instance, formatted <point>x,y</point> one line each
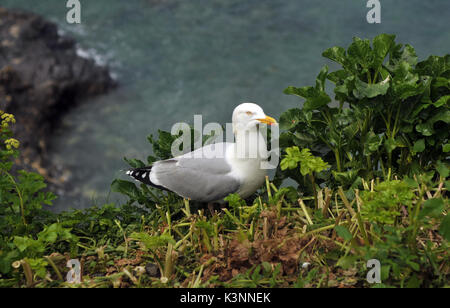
<point>200,179</point>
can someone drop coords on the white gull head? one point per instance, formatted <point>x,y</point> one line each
<point>247,116</point>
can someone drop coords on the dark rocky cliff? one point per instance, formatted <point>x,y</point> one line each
<point>41,78</point>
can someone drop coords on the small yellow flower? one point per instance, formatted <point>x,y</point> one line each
<point>12,143</point>
<point>6,119</point>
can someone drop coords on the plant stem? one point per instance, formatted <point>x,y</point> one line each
<point>55,268</point>
<point>302,205</point>
<point>269,193</point>
<point>19,193</point>
<point>338,160</point>
<point>313,182</point>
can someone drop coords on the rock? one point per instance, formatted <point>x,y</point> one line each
<point>41,78</point>
<point>152,270</point>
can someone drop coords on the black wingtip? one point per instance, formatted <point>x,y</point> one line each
<point>143,175</point>
<point>140,174</point>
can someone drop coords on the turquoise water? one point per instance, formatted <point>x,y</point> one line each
<point>177,58</point>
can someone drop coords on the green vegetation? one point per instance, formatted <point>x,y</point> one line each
<point>391,117</point>
<point>372,170</point>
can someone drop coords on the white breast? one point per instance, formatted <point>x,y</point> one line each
<point>247,171</point>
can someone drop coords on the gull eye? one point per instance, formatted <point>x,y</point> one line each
<point>249,113</point>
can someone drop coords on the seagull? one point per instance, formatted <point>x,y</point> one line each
<point>212,172</point>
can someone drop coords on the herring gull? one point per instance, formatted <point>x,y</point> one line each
<point>234,167</point>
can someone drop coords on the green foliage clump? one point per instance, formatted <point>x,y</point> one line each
<point>390,117</point>
<point>308,163</point>
<point>24,237</point>
<point>383,204</point>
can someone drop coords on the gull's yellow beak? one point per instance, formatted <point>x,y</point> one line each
<point>268,120</point>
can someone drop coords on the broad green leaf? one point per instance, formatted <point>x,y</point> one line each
<point>427,128</point>
<point>382,44</point>
<point>38,265</point>
<point>385,269</point>
<point>415,267</point>
<point>434,66</point>
<point>409,55</point>
<point>419,146</point>
<point>321,78</point>
<point>346,177</point>
<point>406,82</point>
<point>364,89</point>
<point>442,169</point>
<point>290,118</point>
<point>314,98</point>
<point>360,52</point>
<point>337,54</point>
<point>372,143</point>
<point>391,144</point>
<point>442,101</point>
<point>134,163</point>
<point>432,207</point>
<point>125,187</point>
<point>446,148</point>
<point>441,82</point>
<point>338,76</point>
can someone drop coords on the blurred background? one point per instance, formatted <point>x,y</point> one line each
<point>176,58</point>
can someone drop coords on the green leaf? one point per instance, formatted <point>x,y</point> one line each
<point>434,66</point>
<point>338,76</point>
<point>151,242</point>
<point>343,232</point>
<point>385,269</point>
<point>441,82</point>
<point>346,177</point>
<point>23,243</point>
<point>432,207</point>
<point>308,162</point>
<point>364,89</point>
<point>444,228</point>
<point>446,148</point>
<point>360,52</point>
<point>409,55</point>
<point>314,98</point>
<point>442,101</point>
<point>346,262</point>
<point>134,163</point>
<point>372,143</point>
<point>38,266</point>
<point>406,82</point>
<point>125,187</point>
<point>427,128</point>
<point>419,146</point>
<point>442,169</point>
<point>413,265</point>
<point>382,44</point>
<point>336,54</point>
<point>321,78</point>
<point>391,144</point>
<point>234,200</point>
<point>290,118</point>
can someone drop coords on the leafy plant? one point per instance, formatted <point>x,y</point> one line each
<point>22,194</point>
<point>309,164</point>
<point>383,204</point>
<point>392,115</point>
